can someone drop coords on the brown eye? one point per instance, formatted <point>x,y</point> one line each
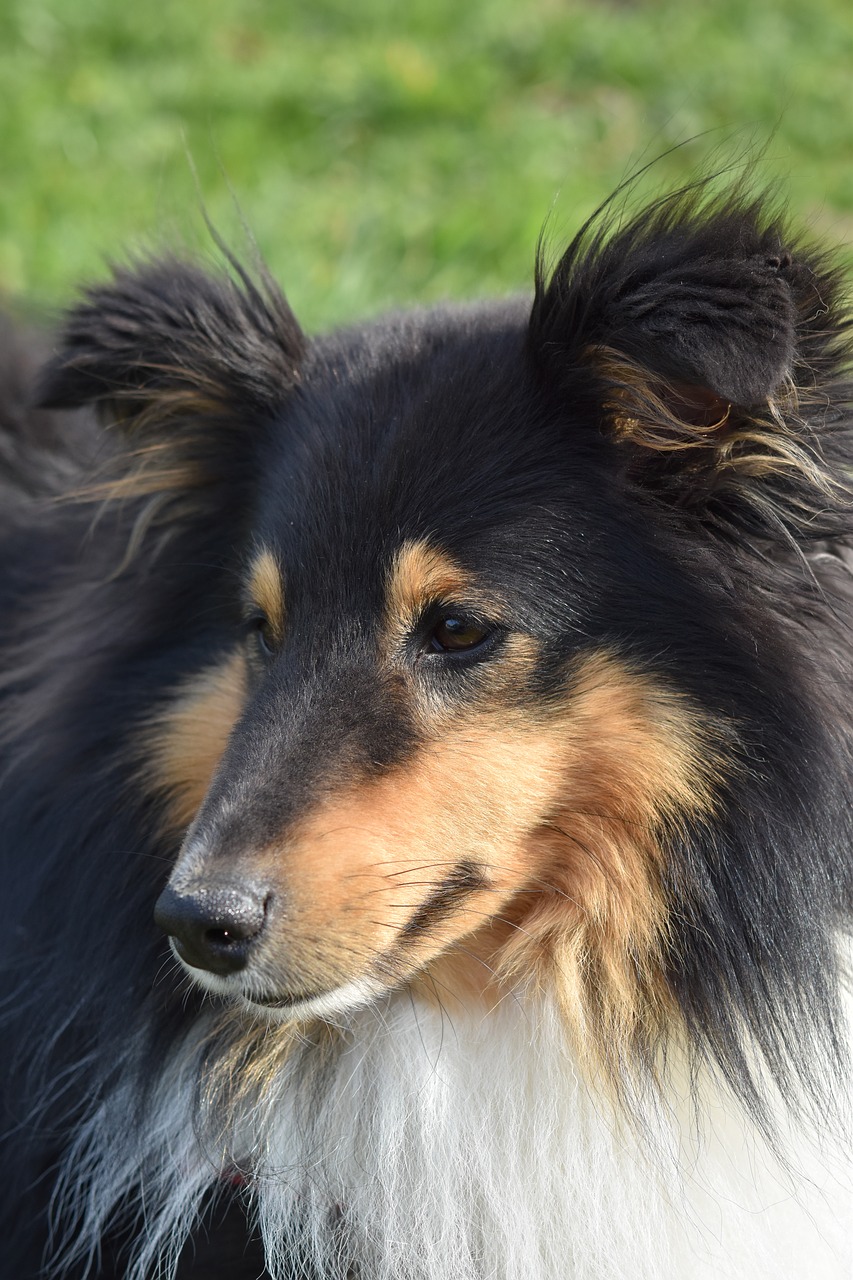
<point>260,629</point>
<point>454,634</point>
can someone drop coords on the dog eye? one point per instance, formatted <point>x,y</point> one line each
<point>456,634</point>
<point>260,629</point>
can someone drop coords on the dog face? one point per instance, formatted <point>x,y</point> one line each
<point>439,738</point>
<point>478,702</point>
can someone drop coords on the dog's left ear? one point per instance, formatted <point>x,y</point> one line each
<point>711,347</point>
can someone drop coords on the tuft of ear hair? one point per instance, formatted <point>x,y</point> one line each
<point>712,346</point>
<point>181,362</point>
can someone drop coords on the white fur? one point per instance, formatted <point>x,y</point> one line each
<point>466,1146</point>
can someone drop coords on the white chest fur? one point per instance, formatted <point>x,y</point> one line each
<point>431,1146</point>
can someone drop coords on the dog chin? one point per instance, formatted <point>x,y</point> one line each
<point>325,1006</point>
<point>270,1006</point>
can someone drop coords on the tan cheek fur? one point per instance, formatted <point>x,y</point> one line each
<point>362,865</point>
<point>638,765</point>
<point>183,745</point>
<point>567,822</point>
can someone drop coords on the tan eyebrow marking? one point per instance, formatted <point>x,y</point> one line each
<point>419,575</point>
<point>422,575</point>
<point>266,589</point>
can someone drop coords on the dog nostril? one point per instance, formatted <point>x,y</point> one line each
<point>222,937</point>
<point>214,926</point>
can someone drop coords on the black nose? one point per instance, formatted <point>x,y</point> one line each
<point>214,926</point>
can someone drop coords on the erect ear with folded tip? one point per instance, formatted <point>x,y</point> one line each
<point>184,364</point>
<point>703,340</point>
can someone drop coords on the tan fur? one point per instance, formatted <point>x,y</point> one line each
<point>420,575</point>
<point>638,763</point>
<point>521,841</point>
<point>267,591</point>
<point>674,419</point>
<point>567,818</point>
<point>183,745</point>
<point>359,867</point>
<point>591,921</point>
<point>159,465</point>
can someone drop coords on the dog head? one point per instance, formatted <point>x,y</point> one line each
<point>490,707</point>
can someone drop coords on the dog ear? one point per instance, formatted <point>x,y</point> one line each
<point>712,348</point>
<point>183,363</point>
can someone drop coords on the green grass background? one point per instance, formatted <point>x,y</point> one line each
<point>385,152</point>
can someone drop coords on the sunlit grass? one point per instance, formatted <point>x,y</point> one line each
<point>383,153</point>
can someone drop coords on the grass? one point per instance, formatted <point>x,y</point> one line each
<point>385,153</point>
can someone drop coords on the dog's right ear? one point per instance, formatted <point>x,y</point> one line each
<point>183,363</point>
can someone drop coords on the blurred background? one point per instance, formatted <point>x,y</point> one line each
<point>381,152</point>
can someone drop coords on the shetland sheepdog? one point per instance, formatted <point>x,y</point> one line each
<point>426,793</point>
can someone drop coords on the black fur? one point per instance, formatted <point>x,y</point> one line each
<point>716,560</point>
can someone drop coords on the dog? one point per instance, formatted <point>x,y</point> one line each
<point>426,772</point>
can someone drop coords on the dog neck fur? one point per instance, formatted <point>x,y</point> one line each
<point>420,1143</point>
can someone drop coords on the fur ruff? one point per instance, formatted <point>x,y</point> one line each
<point>415,1142</point>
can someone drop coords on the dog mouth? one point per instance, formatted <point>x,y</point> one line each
<point>328,1004</point>
<point>287,1001</point>
<point>250,993</point>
